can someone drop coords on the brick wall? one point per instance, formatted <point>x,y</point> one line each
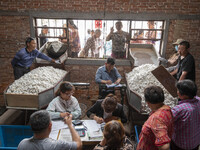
<point>130,6</point>
<point>15,27</point>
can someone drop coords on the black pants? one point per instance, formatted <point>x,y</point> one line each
<point>20,71</point>
<point>174,147</point>
<point>103,91</point>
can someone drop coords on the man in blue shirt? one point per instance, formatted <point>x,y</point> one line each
<point>107,74</point>
<point>24,58</point>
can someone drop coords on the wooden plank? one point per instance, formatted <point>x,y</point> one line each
<point>17,100</point>
<point>166,79</point>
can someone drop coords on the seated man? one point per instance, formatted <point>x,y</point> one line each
<point>41,126</point>
<point>107,109</point>
<point>107,74</point>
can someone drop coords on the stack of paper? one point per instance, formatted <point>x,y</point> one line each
<point>94,130</point>
<point>95,135</point>
<point>113,85</point>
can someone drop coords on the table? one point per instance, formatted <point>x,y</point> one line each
<point>60,131</point>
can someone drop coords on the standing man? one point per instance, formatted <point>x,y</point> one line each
<point>173,60</point>
<point>119,38</point>
<point>107,74</point>
<point>186,63</point>
<point>24,58</point>
<point>43,34</point>
<point>91,43</point>
<point>186,117</point>
<point>41,126</point>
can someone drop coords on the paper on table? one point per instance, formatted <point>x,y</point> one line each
<point>65,135</point>
<point>91,125</point>
<point>113,85</point>
<point>95,134</point>
<point>58,124</point>
<point>54,134</point>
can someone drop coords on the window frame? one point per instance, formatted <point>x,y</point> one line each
<point>107,16</point>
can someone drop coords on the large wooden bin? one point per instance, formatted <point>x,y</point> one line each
<point>163,76</point>
<point>134,99</point>
<point>32,102</point>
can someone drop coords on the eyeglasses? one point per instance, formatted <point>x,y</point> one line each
<point>69,94</point>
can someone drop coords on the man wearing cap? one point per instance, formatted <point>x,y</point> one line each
<point>24,58</point>
<point>186,63</point>
<point>174,58</point>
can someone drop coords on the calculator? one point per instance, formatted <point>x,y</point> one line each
<point>81,132</point>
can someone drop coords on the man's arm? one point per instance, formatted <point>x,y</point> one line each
<point>75,136</point>
<point>98,77</point>
<point>118,81</point>
<point>183,75</point>
<point>42,56</point>
<point>119,77</point>
<point>108,38</point>
<point>174,72</point>
<point>92,112</point>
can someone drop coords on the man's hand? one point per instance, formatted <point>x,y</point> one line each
<point>98,119</point>
<point>57,61</point>
<point>163,60</point>
<point>68,119</point>
<point>111,30</point>
<point>53,60</point>
<point>64,114</point>
<point>111,118</point>
<point>108,82</point>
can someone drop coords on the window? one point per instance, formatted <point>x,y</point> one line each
<point>65,30</point>
<point>147,32</point>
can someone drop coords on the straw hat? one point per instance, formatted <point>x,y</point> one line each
<point>178,41</point>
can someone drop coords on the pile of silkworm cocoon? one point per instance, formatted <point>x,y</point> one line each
<point>36,81</point>
<point>140,78</point>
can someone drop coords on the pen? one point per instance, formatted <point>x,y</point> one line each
<point>85,126</point>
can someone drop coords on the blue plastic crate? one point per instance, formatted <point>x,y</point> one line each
<point>11,135</point>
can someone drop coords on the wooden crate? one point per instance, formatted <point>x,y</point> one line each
<point>33,102</point>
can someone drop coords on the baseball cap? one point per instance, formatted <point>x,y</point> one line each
<point>178,41</point>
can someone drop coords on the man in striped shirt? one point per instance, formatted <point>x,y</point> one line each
<point>186,117</point>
